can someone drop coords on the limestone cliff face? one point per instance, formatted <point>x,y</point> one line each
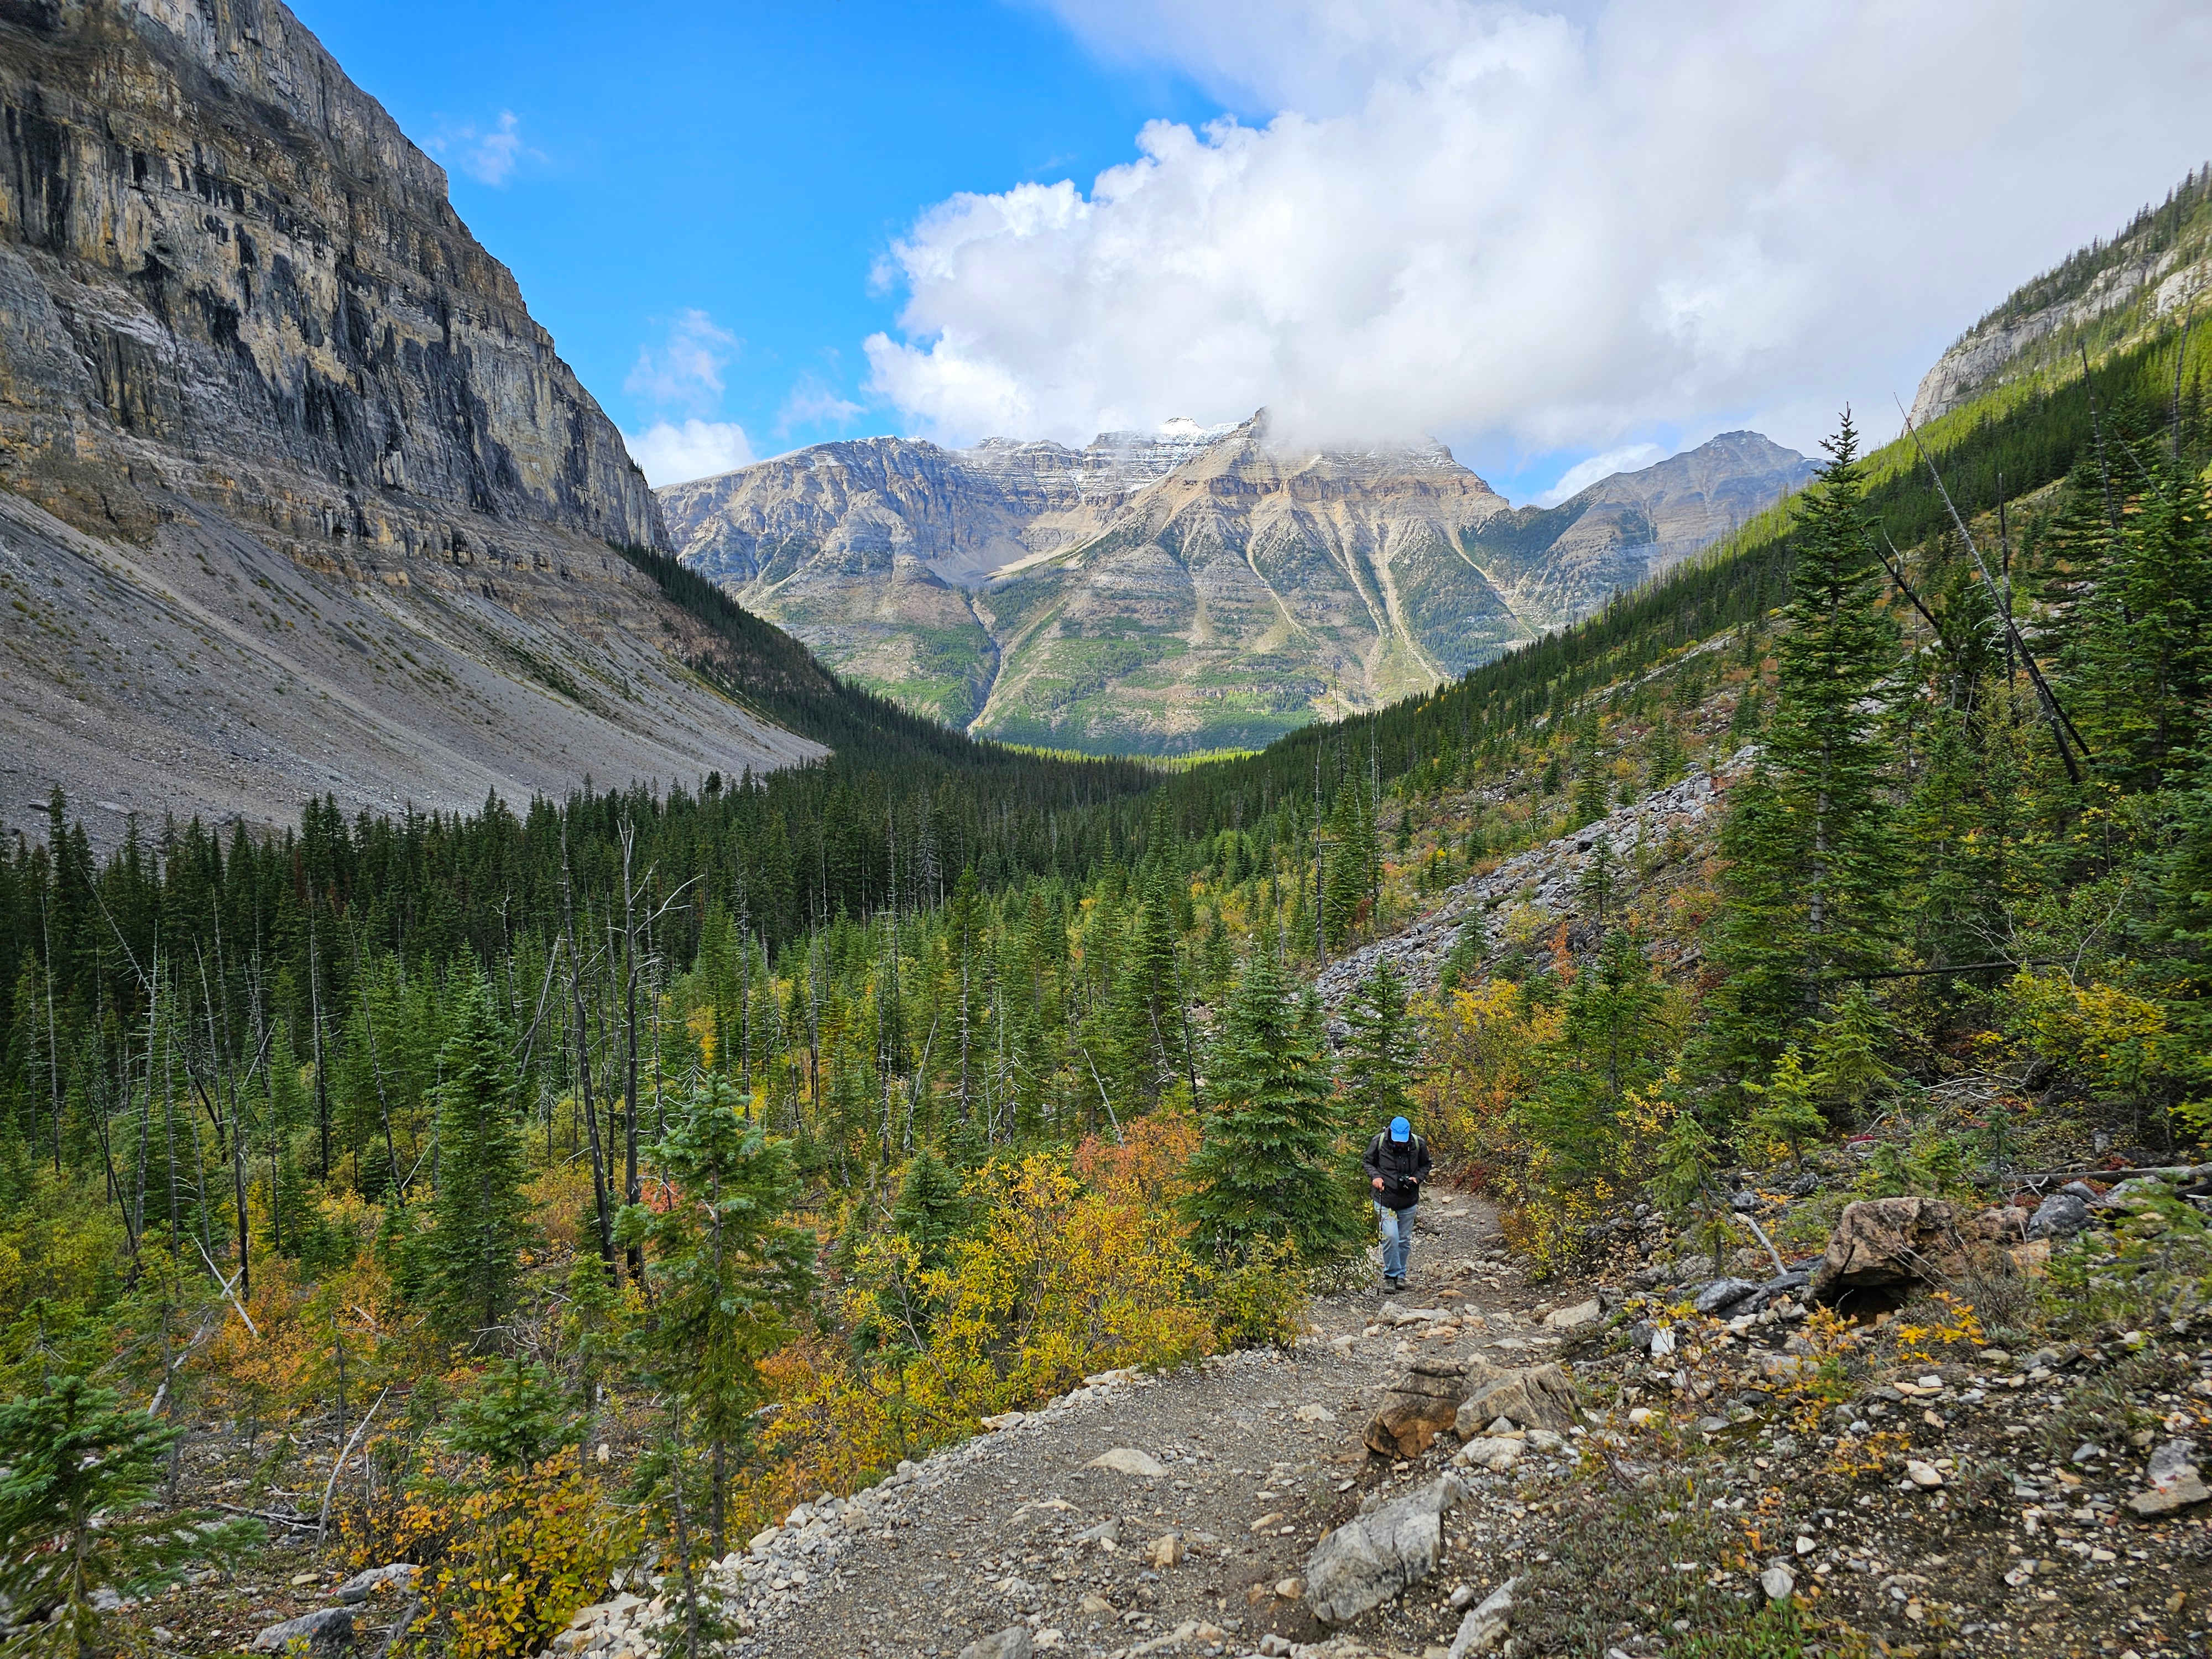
<point>225,273</point>
<point>2108,294</point>
<point>295,498</point>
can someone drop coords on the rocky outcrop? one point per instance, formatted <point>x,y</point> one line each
<point>2106,294</point>
<point>1532,1397</point>
<point>1419,1405</point>
<point>1198,588</point>
<point>1890,1245</point>
<point>299,499</point>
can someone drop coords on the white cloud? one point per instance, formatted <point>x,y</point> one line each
<point>673,454</point>
<point>1486,221</point>
<point>1629,458</point>
<point>814,401</point>
<point>489,156</point>
<point>686,369</point>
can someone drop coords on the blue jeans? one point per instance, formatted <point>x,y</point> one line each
<point>1397,1237</point>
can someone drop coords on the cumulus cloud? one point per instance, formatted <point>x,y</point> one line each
<point>685,369</point>
<point>1540,230</point>
<point>1629,458</point>
<point>488,155</point>
<point>672,452</point>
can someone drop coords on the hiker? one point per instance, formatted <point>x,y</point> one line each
<point>1397,1163</point>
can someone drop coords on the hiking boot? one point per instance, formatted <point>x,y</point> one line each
<point>1391,1286</point>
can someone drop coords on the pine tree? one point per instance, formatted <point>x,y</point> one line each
<point>1618,1034</point>
<point>472,1257</point>
<point>516,1419</point>
<point>1785,1116</point>
<point>1266,1167</point>
<point>1464,960</point>
<point>930,1209</point>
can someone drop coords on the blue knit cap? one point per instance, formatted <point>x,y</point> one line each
<point>1401,1130</point>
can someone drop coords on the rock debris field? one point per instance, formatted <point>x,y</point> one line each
<point>1487,1466</point>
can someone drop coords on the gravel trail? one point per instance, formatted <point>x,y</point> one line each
<point>1259,1453</point>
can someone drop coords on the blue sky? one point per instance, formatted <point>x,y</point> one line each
<point>750,163</point>
<point>1547,237</point>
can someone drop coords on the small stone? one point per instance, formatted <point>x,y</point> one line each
<point>1922,1473</point>
<point>1094,1602</point>
<point>1014,1642</point>
<point>1128,1460</point>
<point>1778,1582</point>
<point>1165,1551</point>
<point>1290,1588</point>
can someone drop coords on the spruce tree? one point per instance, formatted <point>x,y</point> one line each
<point>472,1257</point>
<point>1380,1056</point>
<point>728,1269</point>
<point>1618,1034</point>
<point>1810,863</point>
<point>77,1469</point>
<point>1266,1167</point>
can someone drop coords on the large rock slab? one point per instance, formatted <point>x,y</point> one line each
<point>1534,1397</point>
<point>1420,1404</point>
<point>1365,1562</point>
<point>1886,1245</point>
<point>1485,1626</point>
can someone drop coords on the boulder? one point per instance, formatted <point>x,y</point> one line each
<point>365,1582</point>
<point>2062,1215</point>
<point>1014,1642</point>
<point>1420,1404</point>
<point>1366,1562</point>
<point>330,1631</point>
<point>1891,1244</point>
<point>1723,1294</point>
<point>1496,1453</point>
<point>1535,1397</point>
<point>1568,1319</point>
<point>1486,1623</point>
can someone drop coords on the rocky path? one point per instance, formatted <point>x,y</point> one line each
<point>1148,1514</point>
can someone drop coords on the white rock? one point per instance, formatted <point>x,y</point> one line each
<point>1128,1460</point>
<point>1486,1623</point>
<point>1922,1473</point>
<point>1778,1582</point>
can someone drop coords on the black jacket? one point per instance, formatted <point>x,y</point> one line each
<point>1401,1165</point>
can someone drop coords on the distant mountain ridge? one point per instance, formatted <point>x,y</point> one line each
<point>1198,588</point>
